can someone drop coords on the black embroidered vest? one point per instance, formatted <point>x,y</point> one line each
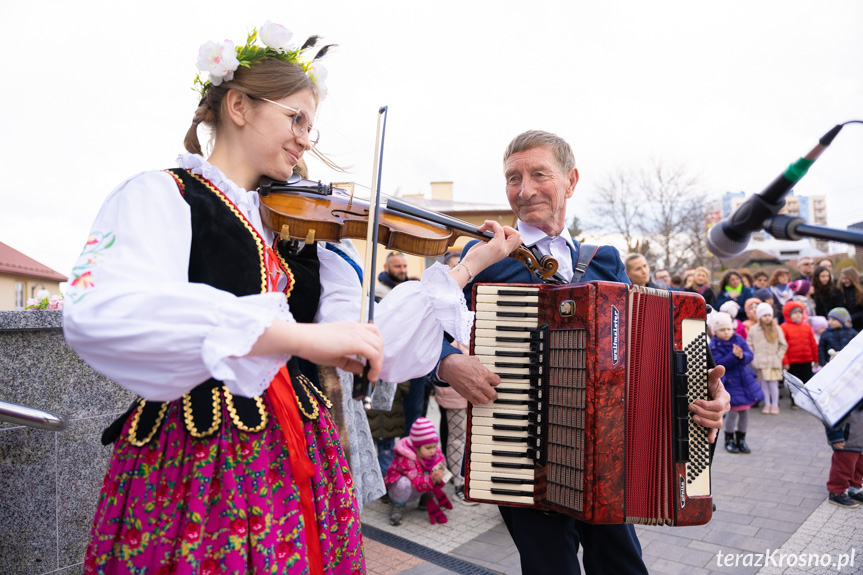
<point>229,254</point>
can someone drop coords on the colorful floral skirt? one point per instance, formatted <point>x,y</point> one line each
<point>224,504</point>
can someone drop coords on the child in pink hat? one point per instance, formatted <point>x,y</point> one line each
<point>418,468</point>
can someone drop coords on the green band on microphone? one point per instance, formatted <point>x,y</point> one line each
<point>798,169</point>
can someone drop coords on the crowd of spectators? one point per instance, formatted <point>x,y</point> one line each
<point>813,284</point>
<point>764,326</point>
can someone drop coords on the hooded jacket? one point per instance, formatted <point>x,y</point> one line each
<point>406,463</point>
<point>835,338</point>
<point>739,380</point>
<point>802,347</point>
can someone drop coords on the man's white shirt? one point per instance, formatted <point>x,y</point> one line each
<point>555,246</point>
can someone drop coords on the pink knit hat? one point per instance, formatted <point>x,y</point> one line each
<point>423,432</point>
<point>800,287</point>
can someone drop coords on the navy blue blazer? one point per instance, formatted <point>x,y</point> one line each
<point>606,265</point>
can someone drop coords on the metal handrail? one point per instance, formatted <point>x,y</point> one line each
<point>21,415</point>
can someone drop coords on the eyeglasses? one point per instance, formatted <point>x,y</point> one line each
<point>301,125</point>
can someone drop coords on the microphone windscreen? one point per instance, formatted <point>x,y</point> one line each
<point>723,246</point>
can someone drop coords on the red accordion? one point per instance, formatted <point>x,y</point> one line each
<point>592,415</point>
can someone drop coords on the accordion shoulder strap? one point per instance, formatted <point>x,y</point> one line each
<point>585,254</point>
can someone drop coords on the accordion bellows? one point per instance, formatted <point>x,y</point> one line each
<point>592,415</point>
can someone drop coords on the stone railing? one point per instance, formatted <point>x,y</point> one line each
<point>50,480</point>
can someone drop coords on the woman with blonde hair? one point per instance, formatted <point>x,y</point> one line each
<point>699,282</point>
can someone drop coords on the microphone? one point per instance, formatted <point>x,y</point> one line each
<point>730,237</point>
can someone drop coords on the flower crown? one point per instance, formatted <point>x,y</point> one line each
<point>221,60</point>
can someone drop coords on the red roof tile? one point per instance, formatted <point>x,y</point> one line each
<point>14,262</point>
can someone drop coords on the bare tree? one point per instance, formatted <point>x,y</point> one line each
<point>659,211</point>
<point>615,208</point>
<point>675,208</point>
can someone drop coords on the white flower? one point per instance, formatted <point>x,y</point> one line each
<point>220,60</point>
<point>275,36</point>
<point>318,73</point>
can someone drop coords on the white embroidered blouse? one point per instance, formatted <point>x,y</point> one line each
<point>131,313</point>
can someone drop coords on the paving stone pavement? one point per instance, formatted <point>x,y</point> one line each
<point>771,508</point>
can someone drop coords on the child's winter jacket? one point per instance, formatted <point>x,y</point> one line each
<point>739,380</point>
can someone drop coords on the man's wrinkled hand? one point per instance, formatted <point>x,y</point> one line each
<point>469,377</point>
<point>709,413</point>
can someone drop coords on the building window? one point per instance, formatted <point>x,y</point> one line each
<point>20,295</point>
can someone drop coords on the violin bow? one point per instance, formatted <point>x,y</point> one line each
<point>361,381</point>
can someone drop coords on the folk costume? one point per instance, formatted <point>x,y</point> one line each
<point>226,463</point>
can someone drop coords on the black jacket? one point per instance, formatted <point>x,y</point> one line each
<point>855,309</point>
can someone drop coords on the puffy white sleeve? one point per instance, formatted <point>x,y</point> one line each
<point>131,313</point>
<point>412,317</point>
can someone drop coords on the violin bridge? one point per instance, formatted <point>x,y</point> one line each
<point>310,237</point>
<point>285,234</point>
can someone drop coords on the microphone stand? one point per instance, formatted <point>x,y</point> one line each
<point>786,227</point>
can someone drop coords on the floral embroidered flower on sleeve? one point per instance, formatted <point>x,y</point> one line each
<point>82,273</point>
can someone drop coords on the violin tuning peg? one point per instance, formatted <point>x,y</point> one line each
<point>285,234</point>
<point>310,237</point>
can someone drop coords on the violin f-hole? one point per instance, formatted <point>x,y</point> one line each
<point>350,213</point>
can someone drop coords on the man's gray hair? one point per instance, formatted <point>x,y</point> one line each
<point>539,139</point>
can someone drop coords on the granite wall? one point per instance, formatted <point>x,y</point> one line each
<point>50,481</point>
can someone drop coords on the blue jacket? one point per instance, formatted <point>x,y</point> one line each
<point>834,338</point>
<point>606,265</point>
<point>739,379</point>
<point>745,294</point>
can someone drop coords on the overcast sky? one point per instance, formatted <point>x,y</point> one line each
<point>95,92</point>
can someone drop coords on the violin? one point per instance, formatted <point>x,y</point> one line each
<point>312,211</point>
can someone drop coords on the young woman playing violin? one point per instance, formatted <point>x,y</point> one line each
<point>228,461</point>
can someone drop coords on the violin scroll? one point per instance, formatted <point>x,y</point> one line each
<point>544,269</point>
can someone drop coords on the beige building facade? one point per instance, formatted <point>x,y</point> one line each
<point>22,278</point>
